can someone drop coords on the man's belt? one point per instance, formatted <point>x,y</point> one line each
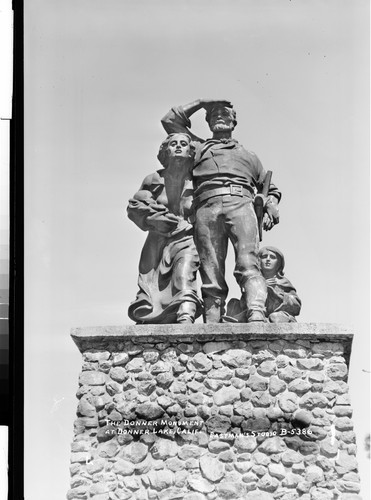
<point>232,190</point>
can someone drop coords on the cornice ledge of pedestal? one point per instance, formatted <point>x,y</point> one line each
<point>106,337</point>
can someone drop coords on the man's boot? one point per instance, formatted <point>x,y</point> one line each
<point>254,295</point>
<point>186,313</point>
<point>213,310</point>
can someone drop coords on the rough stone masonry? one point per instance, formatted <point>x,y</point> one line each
<point>233,411</point>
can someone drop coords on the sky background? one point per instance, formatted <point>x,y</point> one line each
<point>98,78</point>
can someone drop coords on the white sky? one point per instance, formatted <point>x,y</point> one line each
<point>98,78</point>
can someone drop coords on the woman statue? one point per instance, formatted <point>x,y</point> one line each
<point>169,261</point>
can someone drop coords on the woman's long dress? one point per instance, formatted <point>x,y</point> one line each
<point>169,260</point>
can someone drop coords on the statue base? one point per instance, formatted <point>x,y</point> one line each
<point>203,412</point>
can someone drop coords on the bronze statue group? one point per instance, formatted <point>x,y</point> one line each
<point>207,193</point>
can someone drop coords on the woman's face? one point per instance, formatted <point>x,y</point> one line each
<point>179,147</point>
<point>269,263</point>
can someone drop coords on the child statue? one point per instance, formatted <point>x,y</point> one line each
<point>282,304</point>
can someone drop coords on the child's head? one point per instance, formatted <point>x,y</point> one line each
<point>272,262</point>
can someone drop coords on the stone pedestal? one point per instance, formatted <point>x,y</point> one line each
<point>202,412</point>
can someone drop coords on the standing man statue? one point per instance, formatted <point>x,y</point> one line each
<point>226,178</point>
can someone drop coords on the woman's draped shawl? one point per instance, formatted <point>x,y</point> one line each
<point>168,262</point>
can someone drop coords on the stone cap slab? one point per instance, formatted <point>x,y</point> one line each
<point>114,337</point>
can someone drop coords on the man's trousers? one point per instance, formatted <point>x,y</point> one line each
<point>217,220</point>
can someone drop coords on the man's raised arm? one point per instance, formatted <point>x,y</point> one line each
<point>177,119</point>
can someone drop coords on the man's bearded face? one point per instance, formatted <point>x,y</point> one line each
<point>221,119</point>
